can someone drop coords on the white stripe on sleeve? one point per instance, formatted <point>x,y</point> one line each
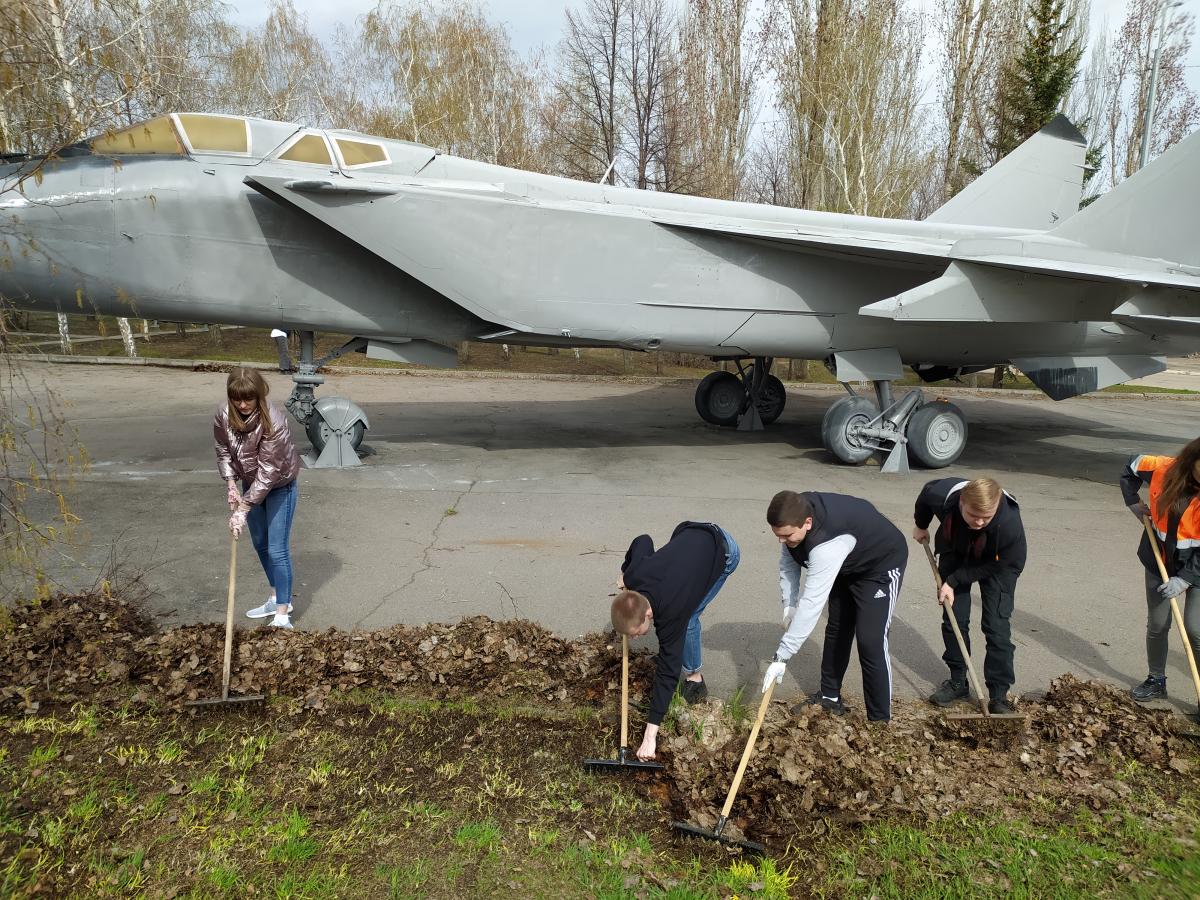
<point>824,562</point>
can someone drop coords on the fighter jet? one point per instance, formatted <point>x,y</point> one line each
<point>234,220</point>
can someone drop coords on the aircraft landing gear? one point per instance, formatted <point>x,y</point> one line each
<point>751,399</point>
<point>931,434</point>
<point>334,425</point>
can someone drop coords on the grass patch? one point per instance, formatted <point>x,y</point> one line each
<point>384,795</point>
<point>965,856</point>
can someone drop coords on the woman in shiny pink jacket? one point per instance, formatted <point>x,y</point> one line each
<point>254,447</point>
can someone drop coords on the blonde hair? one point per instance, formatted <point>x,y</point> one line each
<point>628,610</point>
<point>248,384</point>
<point>982,494</point>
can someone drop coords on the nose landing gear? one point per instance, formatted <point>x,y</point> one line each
<point>334,425</point>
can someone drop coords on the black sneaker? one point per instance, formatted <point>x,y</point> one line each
<point>1150,689</point>
<point>1000,707</point>
<point>834,706</point>
<point>694,691</point>
<point>950,692</point>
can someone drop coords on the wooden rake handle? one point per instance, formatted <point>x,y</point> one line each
<point>748,752</point>
<point>1175,613</point>
<point>962,645</point>
<point>624,691</point>
<point>228,662</point>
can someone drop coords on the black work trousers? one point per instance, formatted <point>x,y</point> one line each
<point>998,594</point>
<point>860,608</point>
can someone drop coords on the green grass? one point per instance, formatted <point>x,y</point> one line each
<point>398,796</point>
<point>967,857</point>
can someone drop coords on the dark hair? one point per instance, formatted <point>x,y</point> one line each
<point>788,508</point>
<point>1179,484</point>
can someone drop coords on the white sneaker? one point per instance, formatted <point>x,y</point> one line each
<point>282,621</point>
<point>270,608</point>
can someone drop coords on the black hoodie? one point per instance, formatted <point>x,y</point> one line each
<point>674,578</point>
<point>996,550</point>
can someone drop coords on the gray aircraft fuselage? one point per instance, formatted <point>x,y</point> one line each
<point>448,249</point>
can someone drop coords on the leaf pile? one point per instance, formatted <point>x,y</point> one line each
<point>99,647</point>
<point>810,766</point>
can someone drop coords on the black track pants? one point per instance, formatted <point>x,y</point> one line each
<point>861,608</point>
<point>998,596</point>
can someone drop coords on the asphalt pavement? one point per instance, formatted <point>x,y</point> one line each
<point>516,497</point>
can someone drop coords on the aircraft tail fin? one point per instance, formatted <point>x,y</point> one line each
<point>1036,186</point>
<point>1154,213</point>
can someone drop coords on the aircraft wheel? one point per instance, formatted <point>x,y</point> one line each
<point>719,398</point>
<point>344,414</point>
<point>937,434</point>
<point>840,425</point>
<point>771,400</point>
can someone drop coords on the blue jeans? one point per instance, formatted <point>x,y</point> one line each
<point>691,643</point>
<point>270,527</point>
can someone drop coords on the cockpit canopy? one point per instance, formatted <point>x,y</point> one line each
<point>248,141</point>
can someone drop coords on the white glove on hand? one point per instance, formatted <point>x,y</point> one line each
<point>774,673</point>
<point>237,522</point>
<point>789,613</point>
<point>233,496</point>
<point>1140,510</point>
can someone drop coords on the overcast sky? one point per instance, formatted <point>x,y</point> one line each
<point>538,23</point>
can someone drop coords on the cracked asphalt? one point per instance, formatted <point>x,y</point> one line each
<point>517,498</point>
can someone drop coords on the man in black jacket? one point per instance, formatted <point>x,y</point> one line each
<point>979,538</point>
<point>668,589</point>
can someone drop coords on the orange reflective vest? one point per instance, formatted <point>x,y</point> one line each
<point>1179,548</point>
<point>1152,470</point>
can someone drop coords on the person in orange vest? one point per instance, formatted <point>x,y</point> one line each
<point>1174,510</point>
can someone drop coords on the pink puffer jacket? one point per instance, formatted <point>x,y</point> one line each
<point>247,456</point>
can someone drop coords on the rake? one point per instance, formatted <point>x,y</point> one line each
<point>716,833</point>
<point>624,760</point>
<point>984,712</point>
<point>225,699</point>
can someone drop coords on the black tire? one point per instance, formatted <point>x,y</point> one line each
<point>719,397</point>
<point>771,400</point>
<point>937,435</point>
<point>319,433</point>
<point>838,425</point>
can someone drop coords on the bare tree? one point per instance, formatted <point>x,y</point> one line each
<point>441,75</point>
<point>976,41</point>
<point>279,71</point>
<point>646,74</point>
<point>851,106</point>
<point>1176,110</point>
<point>589,94</point>
<point>720,59</point>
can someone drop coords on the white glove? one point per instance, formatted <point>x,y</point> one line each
<point>789,613</point>
<point>237,521</point>
<point>774,673</point>
<point>1140,510</point>
<point>233,496</point>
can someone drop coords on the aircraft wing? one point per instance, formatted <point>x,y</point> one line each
<point>931,254</point>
